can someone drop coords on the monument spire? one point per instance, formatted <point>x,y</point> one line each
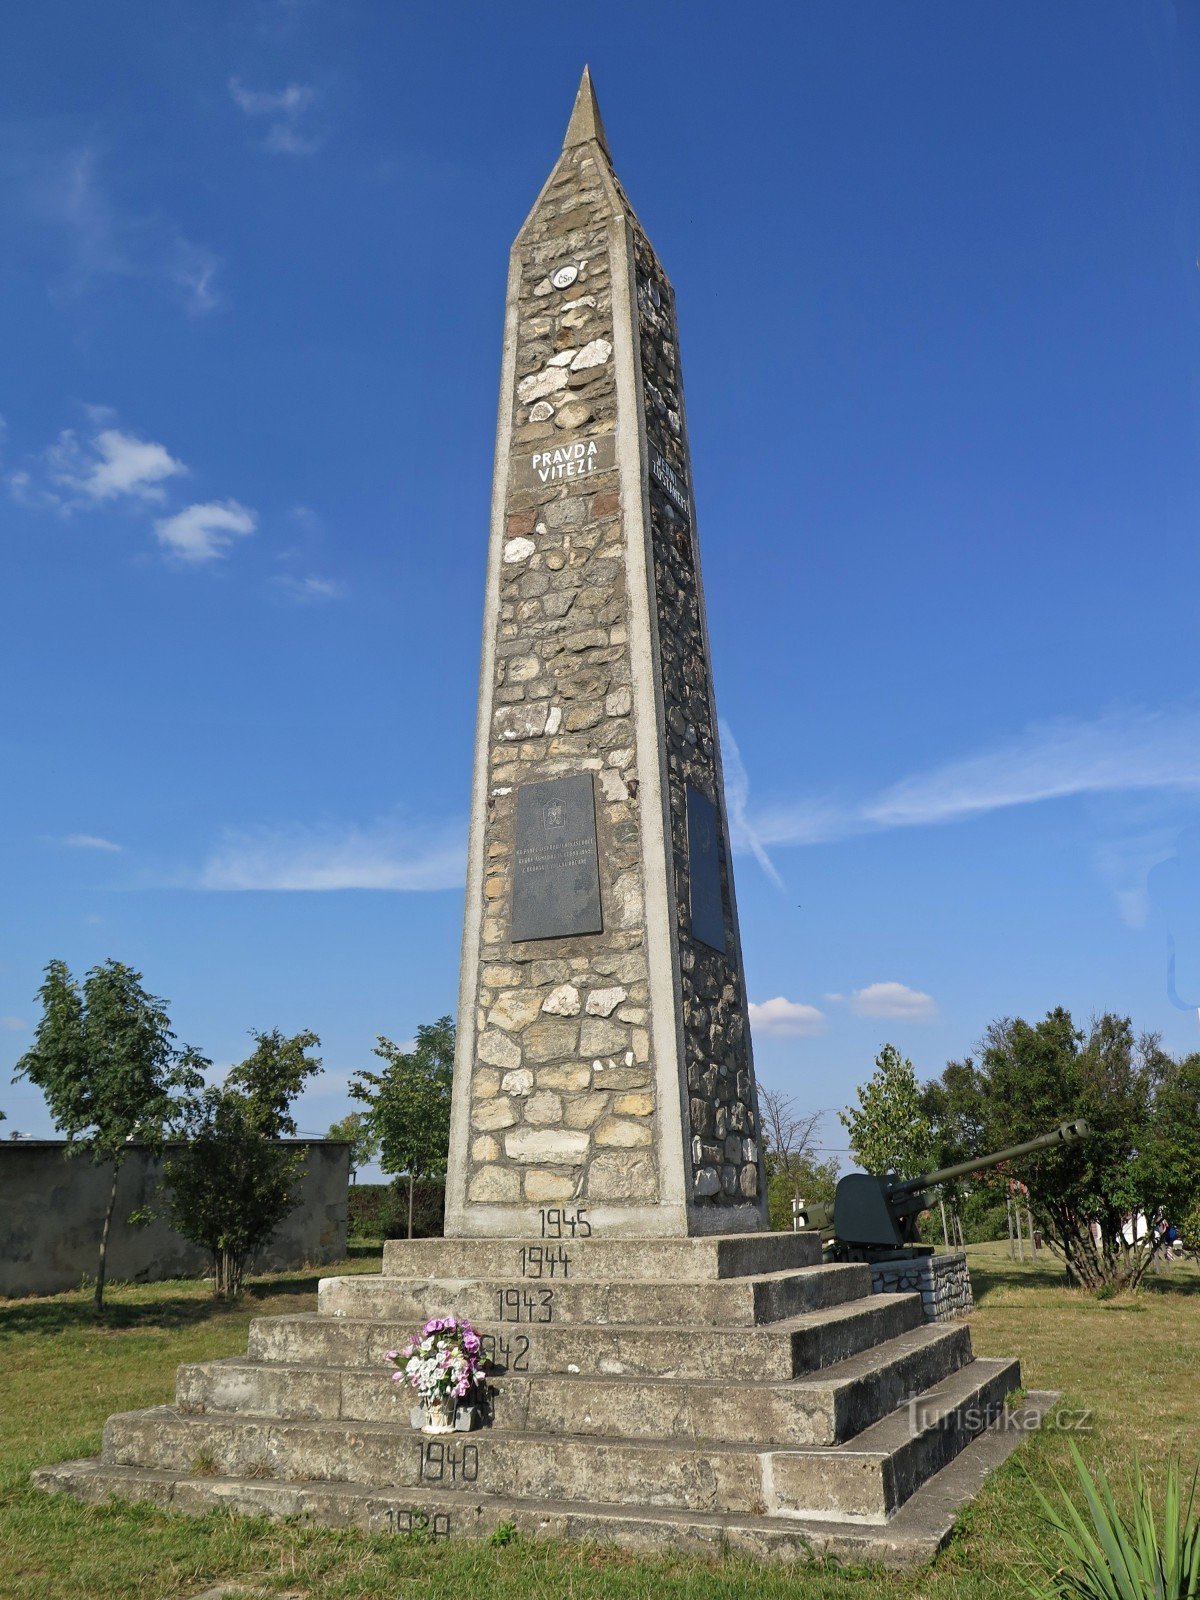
<point>603,1070</point>
<point>586,123</point>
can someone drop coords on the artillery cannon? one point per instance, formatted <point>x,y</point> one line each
<point>874,1216</point>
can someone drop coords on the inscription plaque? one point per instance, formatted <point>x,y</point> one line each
<point>704,871</point>
<point>556,873</point>
<point>565,463</point>
<point>665,475</point>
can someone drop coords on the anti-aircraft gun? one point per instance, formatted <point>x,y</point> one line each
<point>874,1216</point>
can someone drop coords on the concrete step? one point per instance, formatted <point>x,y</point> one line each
<point>555,1260</point>
<point>822,1409</point>
<point>865,1480</point>
<point>913,1535</point>
<point>868,1479</point>
<point>381,1455</point>
<point>773,1352</point>
<point>729,1302</point>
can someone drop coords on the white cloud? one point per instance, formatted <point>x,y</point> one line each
<point>894,1000</point>
<point>311,590</point>
<point>107,239</point>
<point>283,111</point>
<point>13,1024</point>
<point>384,855</point>
<point>205,532</point>
<point>91,841</point>
<point>786,1019</point>
<point>737,795</point>
<point>110,464</point>
<point>83,470</point>
<point>1122,751</point>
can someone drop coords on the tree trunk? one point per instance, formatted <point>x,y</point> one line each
<point>945,1230</point>
<point>1012,1252</point>
<point>102,1268</point>
<point>410,1204</point>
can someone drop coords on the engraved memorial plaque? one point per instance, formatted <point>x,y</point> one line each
<point>556,874</point>
<point>672,485</point>
<point>565,463</point>
<point>704,871</point>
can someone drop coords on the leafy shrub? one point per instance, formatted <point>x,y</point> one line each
<point>380,1210</point>
<point>1110,1557</point>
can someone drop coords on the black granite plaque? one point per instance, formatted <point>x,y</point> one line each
<point>672,484</point>
<point>704,871</point>
<point>556,874</point>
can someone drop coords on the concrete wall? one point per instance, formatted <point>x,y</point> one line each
<point>52,1211</point>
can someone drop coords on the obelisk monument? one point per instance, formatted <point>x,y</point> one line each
<point>603,1083</point>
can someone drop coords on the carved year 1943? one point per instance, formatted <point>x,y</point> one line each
<point>525,1305</point>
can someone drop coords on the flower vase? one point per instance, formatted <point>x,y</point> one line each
<point>439,1415</point>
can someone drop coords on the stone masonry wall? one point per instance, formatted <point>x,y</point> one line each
<point>562,1099</point>
<point>943,1282</point>
<point>721,1092</point>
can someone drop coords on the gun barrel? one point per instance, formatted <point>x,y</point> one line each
<point>1065,1133</point>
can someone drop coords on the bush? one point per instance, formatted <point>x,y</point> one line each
<point>1101,1554</point>
<point>380,1210</point>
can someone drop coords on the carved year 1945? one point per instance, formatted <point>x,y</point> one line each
<point>559,1223</point>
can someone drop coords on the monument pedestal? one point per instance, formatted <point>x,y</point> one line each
<point>692,1395</point>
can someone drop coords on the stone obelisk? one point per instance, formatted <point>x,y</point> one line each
<point>603,1082</point>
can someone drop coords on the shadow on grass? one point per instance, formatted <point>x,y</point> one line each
<point>156,1306</point>
<point>989,1277</point>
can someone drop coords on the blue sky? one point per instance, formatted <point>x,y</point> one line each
<point>937,275</point>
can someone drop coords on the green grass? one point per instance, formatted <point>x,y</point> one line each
<point>1130,1361</point>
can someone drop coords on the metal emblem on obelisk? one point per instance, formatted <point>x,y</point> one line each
<point>604,1072</point>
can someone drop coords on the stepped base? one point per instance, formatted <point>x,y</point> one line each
<point>692,1395</point>
<point>914,1535</point>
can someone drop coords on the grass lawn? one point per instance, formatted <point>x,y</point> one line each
<point>1131,1361</point>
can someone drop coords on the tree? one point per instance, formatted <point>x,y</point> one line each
<point>233,1183</point>
<point>1097,1202</point>
<point>408,1104</point>
<point>364,1143</point>
<point>271,1078</point>
<point>950,1105</point>
<point>103,1056</point>
<point>889,1131</point>
<point>793,1172</point>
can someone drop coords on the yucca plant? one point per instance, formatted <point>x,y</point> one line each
<point>1104,1556</point>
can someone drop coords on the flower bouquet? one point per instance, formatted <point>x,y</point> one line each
<point>444,1364</point>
